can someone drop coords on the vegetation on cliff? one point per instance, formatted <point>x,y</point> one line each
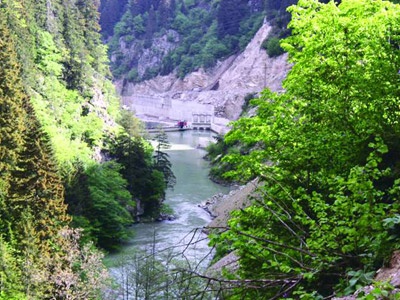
<point>58,112</point>
<point>159,37</point>
<point>40,254</point>
<point>325,151</point>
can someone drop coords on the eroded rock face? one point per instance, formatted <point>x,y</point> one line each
<point>146,58</point>
<point>224,86</point>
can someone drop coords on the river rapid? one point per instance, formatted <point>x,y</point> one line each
<point>192,187</point>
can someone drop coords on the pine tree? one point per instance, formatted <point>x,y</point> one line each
<point>151,27</point>
<point>35,182</point>
<point>11,116</point>
<point>111,12</point>
<point>230,14</point>
<point>161,159</point>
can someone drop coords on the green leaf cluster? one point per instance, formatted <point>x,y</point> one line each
<point>64,71</point>
<point>325,152</point>
<point>99,202</point>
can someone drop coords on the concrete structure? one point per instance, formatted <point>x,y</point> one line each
<point>170,111</point>
<point>166,109</point>
<point>202,121</point>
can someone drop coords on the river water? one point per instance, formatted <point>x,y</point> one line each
<point>192,187</point>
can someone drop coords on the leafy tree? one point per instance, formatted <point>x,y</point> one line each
<point>138,26</point>
<point>272,46</point>
<point>181,23</point>
<point>106,207</point>
<point>324,151</point>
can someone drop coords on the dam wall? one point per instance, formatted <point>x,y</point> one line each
<point>163,108</point>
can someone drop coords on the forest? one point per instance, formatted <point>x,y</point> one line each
<point>74,165</point>
<point>198,33</point>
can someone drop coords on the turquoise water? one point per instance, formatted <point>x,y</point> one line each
<point>193,187</point>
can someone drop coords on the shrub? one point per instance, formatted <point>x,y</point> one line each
<point>272,46</point>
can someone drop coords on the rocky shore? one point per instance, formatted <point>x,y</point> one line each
<point>220,206</point>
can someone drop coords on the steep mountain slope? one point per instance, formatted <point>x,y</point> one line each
<point>223,87</point>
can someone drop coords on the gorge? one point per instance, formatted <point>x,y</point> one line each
<point>219,91</point>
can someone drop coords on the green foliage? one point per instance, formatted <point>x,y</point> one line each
<point>248,28</point>
<point>207,31</point>
<point>357,280</point>
<point>145,183</point>
<point>36,262</point>
<point>99,201</point>
<point>324,151</point>
<point>181,23</point>
<point>215,152</point>
<point>63,69</point>
<point>381,290</point>
<point>10,274</point>
<point>108,201</point>
<point>133,75</point>
<point>229,15</point>
<point>110,12</point>
<point>166,210</point>
<point>11,111</point>
<point>272,46</point>
<point>161,159</point>
<point>132,125</point>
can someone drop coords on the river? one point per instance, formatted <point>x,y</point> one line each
<point>192,187</point>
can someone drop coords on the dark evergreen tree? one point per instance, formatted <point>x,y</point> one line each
<point>161,159</point>
<point>73,70</point>
<point>11,118</point>
<point>140,6</point>
<point>230,14</point>
<point>172,7</point>
<point>184,9</point>
<point>35,183</point>
<point>163,14</point>
<point>111,12</point>
<point>145,184</point>
<point>151,27</point>
<point>32,212</point>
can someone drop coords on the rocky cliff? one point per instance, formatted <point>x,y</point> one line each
<point>223,87</point>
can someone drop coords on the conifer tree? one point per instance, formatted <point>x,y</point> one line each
<point>151,27</point>
<point>11,115</point>
<point>161,159</point>
<point>36,184</point>
<point>38,260</point>
<point>229,15</point>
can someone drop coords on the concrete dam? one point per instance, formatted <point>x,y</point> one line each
<point>198,115</point>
